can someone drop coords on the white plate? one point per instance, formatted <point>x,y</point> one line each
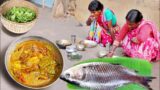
<point>88,43</point>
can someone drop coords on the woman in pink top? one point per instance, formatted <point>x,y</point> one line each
<point>139,37</point>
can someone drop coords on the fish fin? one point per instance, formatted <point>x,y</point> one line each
<point>71,82</point>
<point>115,64</point>
<point>146,81</point>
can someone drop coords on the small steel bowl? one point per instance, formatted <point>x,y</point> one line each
<point>80,47</point>
<point>88,43</point>
<point>62,44</point>
<point>74,56</point>
<point>102,54</point>
<point>70,49</point>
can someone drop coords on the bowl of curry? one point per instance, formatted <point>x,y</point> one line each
<point>33,62</point>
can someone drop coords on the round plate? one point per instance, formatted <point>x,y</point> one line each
<point>88,43</point>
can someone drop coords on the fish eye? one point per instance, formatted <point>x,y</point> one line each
<point>67,75</point>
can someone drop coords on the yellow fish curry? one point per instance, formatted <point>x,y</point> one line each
<point>35,63</point>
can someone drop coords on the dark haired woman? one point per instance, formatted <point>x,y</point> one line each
<point>140,38</point>
<point>102,22</point>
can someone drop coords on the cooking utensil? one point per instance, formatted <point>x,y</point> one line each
<point>62,44</point>
<point>12,47</point>
<point>88,43</point>
<point>71,49</point>
<point>102,54</point>
<point>80,47</point>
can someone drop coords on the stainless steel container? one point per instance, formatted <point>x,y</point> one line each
<point>74,56</point>
<point>80,47</point>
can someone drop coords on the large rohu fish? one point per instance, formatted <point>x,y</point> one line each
<point>103,76</point>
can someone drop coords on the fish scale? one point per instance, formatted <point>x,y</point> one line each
<point>103,76</point>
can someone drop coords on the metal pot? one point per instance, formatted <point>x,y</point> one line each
<point>12,47</point>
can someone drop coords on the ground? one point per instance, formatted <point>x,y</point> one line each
<point>55,29</point>
<point>149,8</point>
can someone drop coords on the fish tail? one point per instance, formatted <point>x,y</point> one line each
<point>146,81</point>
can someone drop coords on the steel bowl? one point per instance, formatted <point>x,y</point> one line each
<point>102,54</point>
<point>70,49</point>
<point>80,47</point>
<point>62,44</point>
<point>88,43</point>
<point>74,56</point>
<point>12,47</point>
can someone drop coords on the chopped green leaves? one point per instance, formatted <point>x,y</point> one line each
<point>20,14</point>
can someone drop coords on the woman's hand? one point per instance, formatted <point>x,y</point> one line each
<point>90,20</point>
<point>111,53</point>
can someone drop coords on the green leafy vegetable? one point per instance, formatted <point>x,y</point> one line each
<point>20,14</point>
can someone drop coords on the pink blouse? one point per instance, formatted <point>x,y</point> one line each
<point>144,33</point>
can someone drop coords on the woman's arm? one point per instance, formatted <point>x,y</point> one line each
<point>118,39</point>
<point>108,14</point>
<point>111,53</point>
<point>122,33</point>
<point>90,20</point>
<point>110,27</point>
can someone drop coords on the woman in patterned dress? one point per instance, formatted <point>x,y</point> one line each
<point>139,37</point>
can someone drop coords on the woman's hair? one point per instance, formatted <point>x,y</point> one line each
<point>134,16</point>
<point>95,5</point>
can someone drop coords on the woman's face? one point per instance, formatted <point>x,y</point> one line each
<point>96,14</point>
<point>132,25</point>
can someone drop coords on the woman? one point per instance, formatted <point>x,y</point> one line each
<point>102,22</point>
<point>140,38</point>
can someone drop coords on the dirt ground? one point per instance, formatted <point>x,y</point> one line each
<point>53,29</point>
<point>149,8</point>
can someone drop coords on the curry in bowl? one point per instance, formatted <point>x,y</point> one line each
<point>35,63</point>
